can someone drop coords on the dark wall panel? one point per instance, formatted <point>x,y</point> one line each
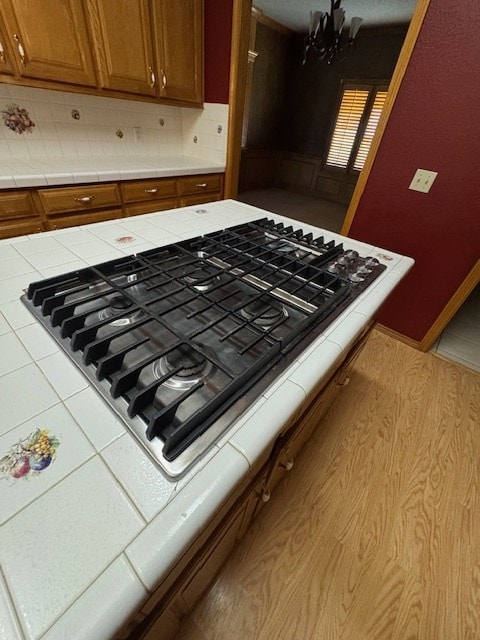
<point>314,89</point>
<point>218,36</point>
<point>268,89</point>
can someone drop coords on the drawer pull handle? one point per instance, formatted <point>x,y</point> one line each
<point>164,79</point>
<point>265,494</point>
<point>202,185</point>
<point>153,79</point>
<point>151,190</point>
<point>288,464</point>
<point>84,200</point>
<point>21,50</point>
<point>2,53</point>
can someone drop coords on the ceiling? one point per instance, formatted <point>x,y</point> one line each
<point>296,14</point>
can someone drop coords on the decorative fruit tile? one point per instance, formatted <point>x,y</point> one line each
<point>56,547</point>
<point>17,119</point>
<point>36,455</point>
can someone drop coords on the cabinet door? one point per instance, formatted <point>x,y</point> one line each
<point>123,41</point>
<point>178,28</point>
<point>50,40</point>
<point>7,63</point>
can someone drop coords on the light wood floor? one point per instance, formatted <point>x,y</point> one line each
<point>375,535</point>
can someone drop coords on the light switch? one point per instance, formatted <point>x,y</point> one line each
<point>423,180</point>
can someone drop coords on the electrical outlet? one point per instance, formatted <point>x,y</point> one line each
<point>423,180</point>
<point>137,133</point>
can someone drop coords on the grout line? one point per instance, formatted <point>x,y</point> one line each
<point>11,602</point>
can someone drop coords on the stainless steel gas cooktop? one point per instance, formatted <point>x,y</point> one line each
<point>180,340</point>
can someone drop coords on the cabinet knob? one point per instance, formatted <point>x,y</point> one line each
<point>153,79</point>
<point>151,190</point>
<point>2,53</point>
<point>288,464</point>
<point>202,185</point>
<point>21,50</point>
<point>84,200</point>
<point>164,79</point>
<point>265,494</point>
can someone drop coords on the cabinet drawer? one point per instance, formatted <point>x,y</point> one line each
<point>148,190</point>
<point>13,228</point>
<point>60,222</point>
<point>79,198</point>
<point>187,201</point>
<point>17,204</point>
<point>200,184</point>
<point>150,207</point>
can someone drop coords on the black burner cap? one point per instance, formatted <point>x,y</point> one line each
<point>263,310</point>
<point>191,361</point>
<point>120,302</point>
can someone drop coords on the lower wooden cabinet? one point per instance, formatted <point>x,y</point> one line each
<point>18,214</point>
<point>25,211</point>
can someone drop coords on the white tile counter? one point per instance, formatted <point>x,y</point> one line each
<point>84,541</point>
<point>21,173</point>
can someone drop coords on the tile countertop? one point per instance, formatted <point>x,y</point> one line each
<point>55,171</point>
<point>102,524</point>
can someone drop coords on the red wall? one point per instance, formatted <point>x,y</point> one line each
<point>218,35</point>
<point>435,125</point>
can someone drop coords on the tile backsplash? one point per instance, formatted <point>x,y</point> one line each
<point>61,124</point>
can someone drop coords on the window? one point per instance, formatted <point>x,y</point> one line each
<point>357,120</point>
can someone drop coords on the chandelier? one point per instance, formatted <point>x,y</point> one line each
<point>325,35</point>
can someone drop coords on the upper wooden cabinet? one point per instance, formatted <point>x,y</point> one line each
<point>50,40</point>
<point>7,63</point>
<point>128,48</point>
<point>123,42</point>
<point>178,37</point>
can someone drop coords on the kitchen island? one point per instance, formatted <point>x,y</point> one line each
<point>90,544</point>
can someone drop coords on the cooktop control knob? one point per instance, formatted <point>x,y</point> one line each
<point>351,255</point>
<point>356,277</point>
<point>371,262</point>
<point>364,270</point>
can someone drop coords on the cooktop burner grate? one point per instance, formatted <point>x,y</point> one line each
<point>174,336</point>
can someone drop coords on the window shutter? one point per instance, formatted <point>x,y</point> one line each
<point>346,127</point>
<point>370,129</point>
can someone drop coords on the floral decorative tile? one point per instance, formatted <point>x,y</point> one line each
<point>29,456</point>
<point>124,239</point>
<point>17,119</point>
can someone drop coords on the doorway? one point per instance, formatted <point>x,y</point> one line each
<point>460,340</point>
<point>290,116</point>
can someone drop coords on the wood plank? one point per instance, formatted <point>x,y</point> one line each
<point>375,534</point>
